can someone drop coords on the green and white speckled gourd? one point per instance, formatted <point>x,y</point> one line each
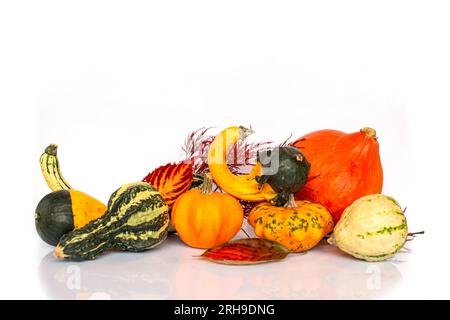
<point>373,228</point>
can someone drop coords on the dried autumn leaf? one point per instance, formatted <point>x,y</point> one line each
<point>246,251</point>
<point>171,180</point>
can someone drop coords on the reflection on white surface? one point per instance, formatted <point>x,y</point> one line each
<point>172,271</point>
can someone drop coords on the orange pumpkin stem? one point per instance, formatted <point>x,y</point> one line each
<point>291,202</point>
<point>370,133</point>
<point>206,186</point>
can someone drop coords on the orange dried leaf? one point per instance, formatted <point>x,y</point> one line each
<point>171,180</point>
<point>246,251</point>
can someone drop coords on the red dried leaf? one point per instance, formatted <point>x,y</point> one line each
<point>196,148</point>
<point>171,180</point>
<point>246,251</point>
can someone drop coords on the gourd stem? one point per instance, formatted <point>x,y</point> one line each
<point>370,133</point>
<point>416,233</point>
<point>51,149</point>
<point>412,235</point>
<point>206,186</point>
<point>291,202</point>
<point>58,253</point>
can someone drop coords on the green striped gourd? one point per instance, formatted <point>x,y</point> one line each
<point>137,219</point>
<point>372,228</point>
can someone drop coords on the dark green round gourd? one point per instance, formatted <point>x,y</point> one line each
<point>285,169</point>
<point>54,217</point>
<point>64,210</point>
<point>137,219</point>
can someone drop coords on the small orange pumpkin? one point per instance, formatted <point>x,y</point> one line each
<point>205,219</point>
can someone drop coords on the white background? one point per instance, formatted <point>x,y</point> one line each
<point>118,85</point>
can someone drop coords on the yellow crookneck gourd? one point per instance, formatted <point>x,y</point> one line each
<point>51,171</point>
<point>244,187</point>
<point>80,207</point>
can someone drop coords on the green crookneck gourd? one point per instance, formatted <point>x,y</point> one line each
<point>137,219</point>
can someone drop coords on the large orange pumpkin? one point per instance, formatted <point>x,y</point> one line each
<point>205,219</point>
<point>344,168</point>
